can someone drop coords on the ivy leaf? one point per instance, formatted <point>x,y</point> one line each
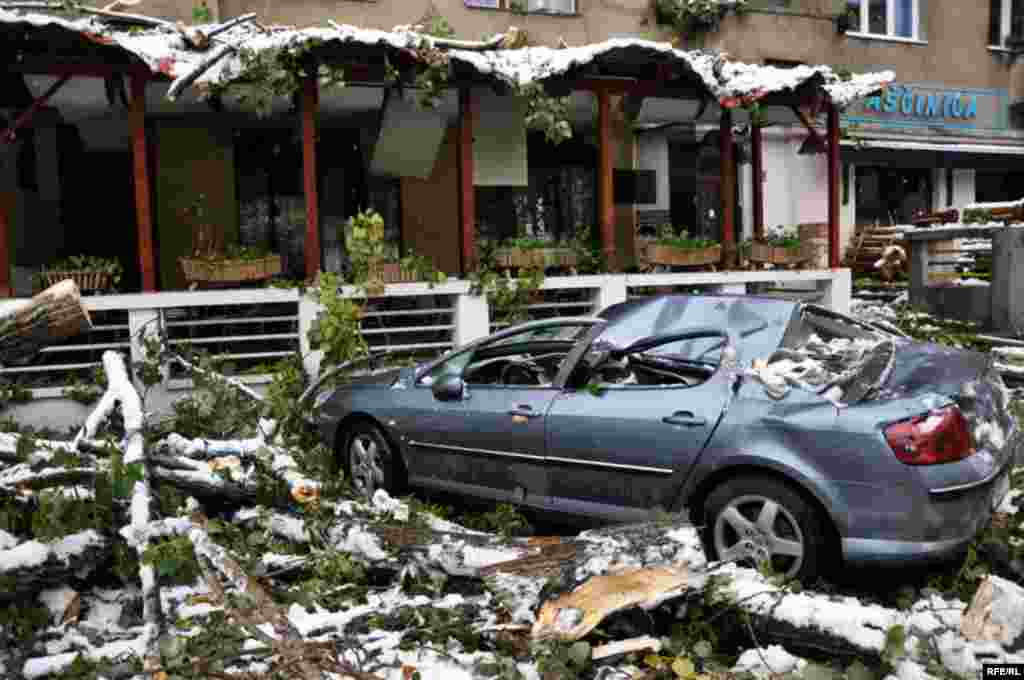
<point>683,668</point>
<point>580,654</point>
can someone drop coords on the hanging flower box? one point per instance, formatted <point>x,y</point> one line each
<point>674,256</point>
<point>760,251</point>
<point>90,273</point>
<point>230,270</point>
<point>535,257</point>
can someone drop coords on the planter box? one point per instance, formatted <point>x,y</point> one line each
<point>765,252</point>
<point>389,272</point>
<point>85,280</point>
<point>535,257</point>
<point>229,271</point>
<point>683,257</point>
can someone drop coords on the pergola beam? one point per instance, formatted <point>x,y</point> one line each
<point>140,161</point>
<point>25,117</point>
<point>310,105</point>
<point>728,190</point>
<point>605,185</point>
<point>757,176</point>
<point>467,195</point>
<point>833,186</point>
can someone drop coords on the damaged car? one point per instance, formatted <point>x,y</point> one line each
<point>792,434</point>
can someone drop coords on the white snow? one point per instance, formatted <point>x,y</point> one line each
<point>732,83</point>
<point>32,554</point>
<point>768,661</point>
<point>8,541</point>
<point>56,600</point>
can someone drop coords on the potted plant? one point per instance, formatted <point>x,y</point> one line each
<point>677,249</point>
<point>213,261</point>
<point>781,247</point>
<point>524,252</point>
<point>378,262</point>
<point>91,273</point>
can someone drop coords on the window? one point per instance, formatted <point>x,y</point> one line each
<point>888,18</point>
<point>1004,20</point>
<point>538,6</point>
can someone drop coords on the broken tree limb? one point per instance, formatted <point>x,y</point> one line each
<point>52,315</point>
<point>32,566</point>
<point>186,79</point>
<point>237,384</point>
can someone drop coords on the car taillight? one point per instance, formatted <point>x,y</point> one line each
<point>942,436</point>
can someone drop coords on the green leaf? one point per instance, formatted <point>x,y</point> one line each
<point>683,667</point>
<point>167,567</point>
<point>703,649</point>
<point>816,671</point>
<point>858,671</point>
<point>895,641</point>
<point>580,654</point>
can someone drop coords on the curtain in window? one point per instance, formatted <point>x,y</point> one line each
<point>904,10</point>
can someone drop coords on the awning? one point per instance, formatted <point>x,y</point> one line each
<point>935,146</point>
<point>927,154</point>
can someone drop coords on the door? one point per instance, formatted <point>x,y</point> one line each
<point>623,449</point>
<point>491,441</point>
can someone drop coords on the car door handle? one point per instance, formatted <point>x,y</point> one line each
<point>524,410</point>
<point>684,418</point>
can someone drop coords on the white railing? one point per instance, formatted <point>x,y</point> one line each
<point>246,330</point>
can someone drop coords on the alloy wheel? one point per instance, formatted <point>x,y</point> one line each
<point>757,529</point>
<point>365,465</point>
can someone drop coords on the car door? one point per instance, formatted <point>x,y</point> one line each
<point>491,442</point>
<point>619,451</point>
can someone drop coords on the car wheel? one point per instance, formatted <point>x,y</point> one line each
<point>758,520</point>
<point>369,460</point>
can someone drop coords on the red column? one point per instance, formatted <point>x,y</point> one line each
<point>833,186</point>
<point>310,104</point>
<point>6,206</point>
<point>757,174</point>
<point>467,196</point>
<point>605,196</point>
<point>728,190</point>
<point>140,158</point>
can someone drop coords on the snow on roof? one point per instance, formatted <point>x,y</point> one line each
<point>164,50</point>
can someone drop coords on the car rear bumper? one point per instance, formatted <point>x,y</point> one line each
<point>961,514</point>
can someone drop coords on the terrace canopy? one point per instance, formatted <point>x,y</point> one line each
<point>49,39</point>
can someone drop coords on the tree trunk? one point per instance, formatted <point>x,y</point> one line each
<point>55,314</point>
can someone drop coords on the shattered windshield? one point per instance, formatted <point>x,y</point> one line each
<point>830,354</point>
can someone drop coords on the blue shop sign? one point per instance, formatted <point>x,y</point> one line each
<point>911,105</point>
<point>906,101</point>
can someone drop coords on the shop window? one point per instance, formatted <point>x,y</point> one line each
<point>890,196</point>
<point>885,18</point>
<point>1005,20</point>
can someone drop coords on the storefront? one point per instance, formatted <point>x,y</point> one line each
<point>924,147</point>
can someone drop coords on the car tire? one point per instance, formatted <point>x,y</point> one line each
<point>369,460</point>
<point>753,519</point>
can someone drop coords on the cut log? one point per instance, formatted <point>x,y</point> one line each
<point>53,315</point>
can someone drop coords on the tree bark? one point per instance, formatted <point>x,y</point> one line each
<point>32,566</point>
<point>55,314</point>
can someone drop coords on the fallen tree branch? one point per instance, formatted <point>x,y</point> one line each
<point>33,565</point>
<point>186,79</point>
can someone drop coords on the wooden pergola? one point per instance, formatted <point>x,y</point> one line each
<point>634,71</point>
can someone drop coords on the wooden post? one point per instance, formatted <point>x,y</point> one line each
<point>310,103</point>
<point>757,174</point>
<point>833,186</point>
<point>728,189</point>
<point>467,196</point>
<point>605,196</point>
<point>7,199</point>
<point>140,158</point>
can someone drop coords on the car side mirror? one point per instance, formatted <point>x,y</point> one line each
<point>449,388</point>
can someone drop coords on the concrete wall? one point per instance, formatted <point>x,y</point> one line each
<point>954,33</point>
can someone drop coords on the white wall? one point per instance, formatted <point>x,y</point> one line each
<point>796,187</point>
<point>652,154</point>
